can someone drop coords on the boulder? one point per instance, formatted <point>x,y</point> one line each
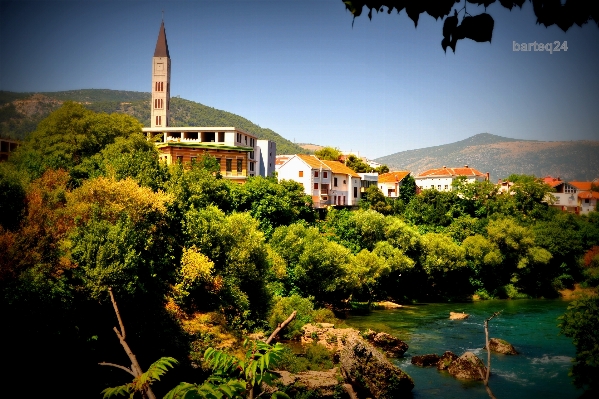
<point>500,346</point>
<point>325,384</point>
<point>445,360</point>
<point>425,360</point>
<point>458,316</point>
<point>467,367</point>
<point>371,373</point>
<point>392,346</point>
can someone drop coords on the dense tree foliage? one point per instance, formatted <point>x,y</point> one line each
<point>192,256</point>
<point>328,154</point>
<point>581,322</point>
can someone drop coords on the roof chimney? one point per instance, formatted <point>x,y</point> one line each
<point>444,167</point>
<point>465,166</point>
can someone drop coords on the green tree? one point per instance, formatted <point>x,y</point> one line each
<point>315,265</point>
<point>407,190</point>
<point>435,208</point>
<point>373,198</point>
<point>272,203</point>
<point>531,195</point>
<point>69,135</point>
<point>357,165</point>
<point>240,255</point>
<point>328,154</point>
<point>12,198</point>
<point>581,322</point>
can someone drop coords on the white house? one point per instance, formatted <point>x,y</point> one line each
<point>327,182</point>
<point>587,198</point>
<point>441,179</point>
<point>389,183</point>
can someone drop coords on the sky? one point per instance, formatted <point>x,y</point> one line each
<point>300,68</point>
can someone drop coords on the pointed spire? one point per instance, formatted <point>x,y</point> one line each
<point>161,45</point>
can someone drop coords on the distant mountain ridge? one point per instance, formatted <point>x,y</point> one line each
<point>21,112</point>
<point>502,156</point>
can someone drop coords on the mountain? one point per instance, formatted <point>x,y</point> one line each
<point>502,156</point>
<point>21,112</point>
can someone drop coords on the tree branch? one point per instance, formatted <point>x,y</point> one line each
<point>281,326</point>
<point>118,314</point>
<point>135,367</point>
<point>119,367</point>
<point>486,378</point>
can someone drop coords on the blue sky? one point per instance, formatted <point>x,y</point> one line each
<point>301,69</point>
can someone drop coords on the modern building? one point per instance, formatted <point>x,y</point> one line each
<point>239,153</point>
<point>442,178</point>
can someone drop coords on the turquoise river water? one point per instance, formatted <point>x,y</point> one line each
<point>539,371</point>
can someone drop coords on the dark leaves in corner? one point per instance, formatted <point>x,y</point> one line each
<point>478,28</point>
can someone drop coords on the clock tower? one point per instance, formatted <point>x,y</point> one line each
<point>161,82</point>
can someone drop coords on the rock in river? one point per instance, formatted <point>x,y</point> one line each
<point>501,346</point>
<point>467,367</point>
<point>425,360</point>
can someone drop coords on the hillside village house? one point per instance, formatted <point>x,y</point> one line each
<point>327,182</point>
<point>575,196</point>
<point>239,153</point>
<point>441,179</point>
<point>389,183</point>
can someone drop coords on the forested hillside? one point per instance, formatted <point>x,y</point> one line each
<point>501,156</point>
<point>21,112</point>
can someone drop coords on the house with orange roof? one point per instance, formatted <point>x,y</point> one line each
<point>442,178</point>
<point>389,183</point>
<point>588,194</point>
<point>565,195</point>
<point>327,182</point>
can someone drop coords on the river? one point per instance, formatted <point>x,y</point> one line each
<point>539,371</point>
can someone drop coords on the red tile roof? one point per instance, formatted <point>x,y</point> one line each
<point>338,167</point>
<point>552,181</point>
<point>393,177</point>
<point>581,185</point>
<point>446,172</point>
<point>312,161</point>
<point>588,195</point>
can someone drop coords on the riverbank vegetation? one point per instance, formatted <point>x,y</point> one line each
<point>196,261</point>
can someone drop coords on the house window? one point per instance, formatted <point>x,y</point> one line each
<point>439,187</point>
<point>179,158</point>
<point>251,166</point>
<point>158,120</point>
<point>301,173</point>
<point>446,187</point>
<point>344,182</point>
<point>239,137</point>
<point>315,186</point>
<point>246,140</point>
<point>239,165</point>
<point>334,182</point>
<point>251,154</point>
<point>159,86</point>
<point>355,192</point>
<point>325,175</point>
<point>315,173</point>
<point>229,165</point>
<point>586,201</point>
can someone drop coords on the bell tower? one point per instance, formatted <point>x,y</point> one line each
<point>161,82</point>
